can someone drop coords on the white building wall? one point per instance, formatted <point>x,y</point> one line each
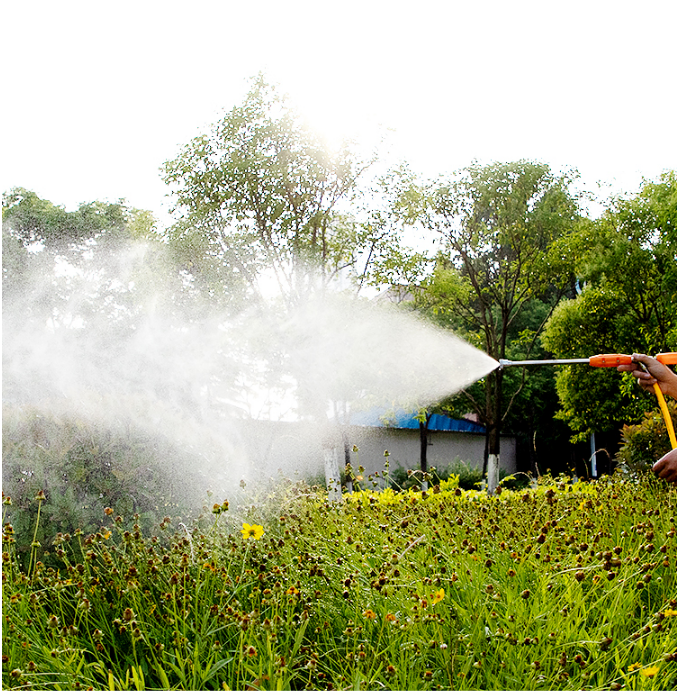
<point>443,448</point>
<point>299,448</point>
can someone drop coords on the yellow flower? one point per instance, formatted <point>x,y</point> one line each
<point>249,531</point>
<point>106,535</point>
<point>649,672</point>
<point>370,614</point>
<point>438,596</point>
<point>669,612</point>
<point>633,667</point>
<point>292,591</point>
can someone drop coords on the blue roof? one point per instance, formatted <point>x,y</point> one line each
<point>402,419</point>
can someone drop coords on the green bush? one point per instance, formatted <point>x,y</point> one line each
<point>643,444</point>
<point>82,467</point>
<point>469,478</point>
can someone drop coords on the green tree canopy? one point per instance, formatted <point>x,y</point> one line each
<point>57,264</point>
<point>626,263</point>
<point>260,194</point>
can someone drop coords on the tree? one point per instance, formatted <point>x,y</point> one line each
<point>395,207</point>
<point>58,263</point>
<point>259,195</point>
<point>626,261</point>
<point>499,224</point>
<point>80,289</point>
<point>261,199</point>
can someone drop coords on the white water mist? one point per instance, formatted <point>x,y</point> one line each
<point>204,384</point>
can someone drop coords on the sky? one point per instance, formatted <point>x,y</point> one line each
<point>96,96</point>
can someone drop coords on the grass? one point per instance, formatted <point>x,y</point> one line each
<point>565,586</point>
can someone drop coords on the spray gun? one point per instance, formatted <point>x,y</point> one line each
<point>612,361</point>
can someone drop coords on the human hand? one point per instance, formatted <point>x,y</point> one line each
<point>656,373</point>
<point>667,467</point>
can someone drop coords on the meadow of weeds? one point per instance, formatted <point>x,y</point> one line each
<point>563,586</point>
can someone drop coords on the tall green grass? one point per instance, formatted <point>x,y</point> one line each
<point>565,586</point>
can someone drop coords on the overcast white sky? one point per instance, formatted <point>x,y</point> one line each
<point>98,95</point>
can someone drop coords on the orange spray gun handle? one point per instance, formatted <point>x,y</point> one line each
<point>609,360</point>
<point>667,357</point>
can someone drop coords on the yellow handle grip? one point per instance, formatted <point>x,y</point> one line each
<point>666,415</point>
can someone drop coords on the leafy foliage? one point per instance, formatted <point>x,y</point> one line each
<point>258,194</point>
<point>82,466</point>
<point>646,442</point>
<point>627,260</point>
<point>466,476</point>
<point>99,262</point>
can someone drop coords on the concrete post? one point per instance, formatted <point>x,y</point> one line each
<point>332,477</point>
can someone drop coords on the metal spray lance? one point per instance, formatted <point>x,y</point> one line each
<point>612,361</point>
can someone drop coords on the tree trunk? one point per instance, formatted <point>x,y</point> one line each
<point>493,462</point>
<point>424,443</point>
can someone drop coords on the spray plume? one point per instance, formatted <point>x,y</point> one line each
<point>202,383</point>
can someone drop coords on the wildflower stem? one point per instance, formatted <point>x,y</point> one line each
<point>33,542</point>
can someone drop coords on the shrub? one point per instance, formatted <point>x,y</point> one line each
<point>469,478</point>
<point>646,442</point>
<point>84,466</point>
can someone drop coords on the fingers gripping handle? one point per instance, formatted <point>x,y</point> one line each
<point>665,358</point>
